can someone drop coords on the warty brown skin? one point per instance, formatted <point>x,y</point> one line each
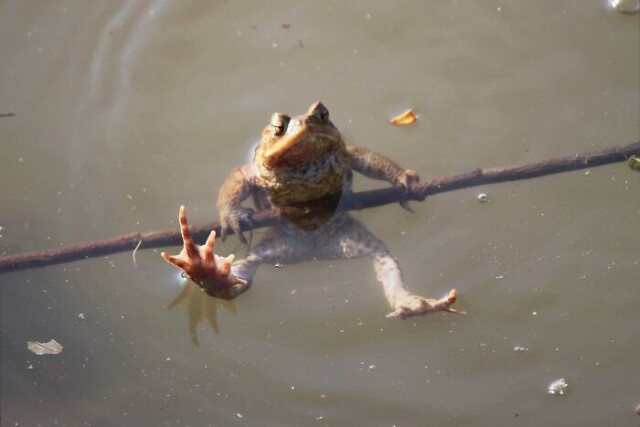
<point>302,161</point>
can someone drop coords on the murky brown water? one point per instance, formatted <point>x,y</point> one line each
<point>125,110</point>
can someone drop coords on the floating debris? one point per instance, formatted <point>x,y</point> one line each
<point>483,198</point>
<point>7,114</point>
<point>626,7</point>
<point>634,163</point>
<point>558,386</point>
<point>39,348</point>
<point>404,119</point>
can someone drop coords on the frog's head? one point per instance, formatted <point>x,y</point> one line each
<point>297,141</point>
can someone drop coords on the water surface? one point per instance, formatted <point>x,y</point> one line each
<point>126,110</point>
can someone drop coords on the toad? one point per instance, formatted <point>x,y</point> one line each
<point>301,162</point>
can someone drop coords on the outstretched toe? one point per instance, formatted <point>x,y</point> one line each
<point>175,260</point>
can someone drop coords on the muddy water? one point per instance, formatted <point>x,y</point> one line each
<point>125,110</point>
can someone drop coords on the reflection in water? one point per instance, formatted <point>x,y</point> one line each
<point>200,306</point>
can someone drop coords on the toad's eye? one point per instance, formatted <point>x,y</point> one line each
<point>279,123</point>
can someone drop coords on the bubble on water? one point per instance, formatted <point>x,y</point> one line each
<point>520,349</point>
<point>558,386</point>
<point>627,7</point>
<point>483,198</point>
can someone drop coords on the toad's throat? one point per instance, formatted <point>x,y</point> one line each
<point>319,195</point>
<point>314,190</point>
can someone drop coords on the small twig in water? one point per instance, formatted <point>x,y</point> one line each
<point>357,201</point>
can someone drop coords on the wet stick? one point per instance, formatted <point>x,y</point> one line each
<point>362,200</point>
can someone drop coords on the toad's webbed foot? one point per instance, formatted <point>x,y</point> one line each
<point>408,180</point>
<point>231,219</point>
<point>210,271</point>
<point>409,305</point>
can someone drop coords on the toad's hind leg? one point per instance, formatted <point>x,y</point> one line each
<point>276,247</point>
<point>354,240</point>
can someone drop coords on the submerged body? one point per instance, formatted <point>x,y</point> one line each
<point>302,162</point>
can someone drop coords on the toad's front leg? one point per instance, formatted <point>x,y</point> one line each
<point>210,271</point>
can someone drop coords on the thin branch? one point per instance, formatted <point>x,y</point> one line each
<point>357,201</point>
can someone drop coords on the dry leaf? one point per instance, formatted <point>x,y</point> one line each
<point>405,118</point>
<point>39,348</point>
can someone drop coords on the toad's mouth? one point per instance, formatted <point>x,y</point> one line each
<point>299,148</point>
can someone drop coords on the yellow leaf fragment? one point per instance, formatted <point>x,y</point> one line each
<point>403,119</point>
